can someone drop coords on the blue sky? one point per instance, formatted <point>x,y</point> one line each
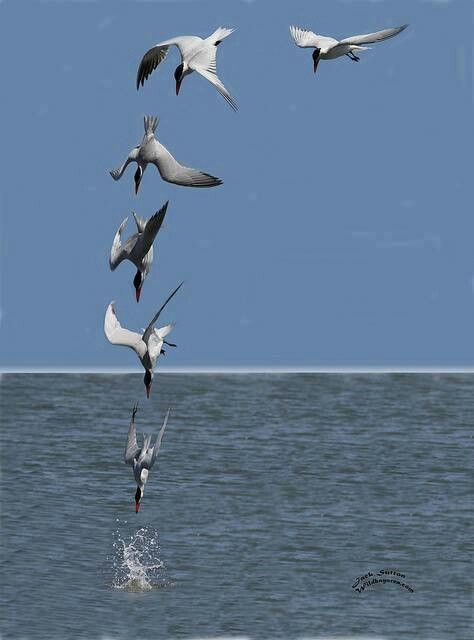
<point>343,233</point>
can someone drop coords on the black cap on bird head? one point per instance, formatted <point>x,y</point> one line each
<point>137,283</point>
<point>316,54</point>
<point>178,76</point>
<point>147,380</point>
<point>138,178</point>
<point>138,496</point>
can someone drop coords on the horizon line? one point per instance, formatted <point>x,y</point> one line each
<point>256,369</point>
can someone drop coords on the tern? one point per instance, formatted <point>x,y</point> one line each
<point>151,151</point>
<point>139,247</point>
<point>148,346</point>
<point>142,458</point>
<point>197,54</point>
<point>327,48</point>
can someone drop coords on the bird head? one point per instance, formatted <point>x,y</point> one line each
<point>137,283</point>
<point>147,379</point>
<point>138,178</point>
<point>316,54</point>
<point>178,76</point>
<point>138,497</point>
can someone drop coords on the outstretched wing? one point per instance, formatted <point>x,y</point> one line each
<point>152,227</point>
<point>306,38</point>
<point>158,53</point>
<point>149,330</point>
<point>116,334</point>
<point>132,157</point>
<point>171,171</point>
<point>157,445</point>
<point>149,62</point>
<point>377,36</point>
<point>118,251</point>
<point>204,63</point>
<point>131,448</point>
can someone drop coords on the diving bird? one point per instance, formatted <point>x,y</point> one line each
<point>197,54</point>
<point>152,151</point>
<point>142,458</point>
<point>327,48</point>
<point>139,247</point>
<point>148,346</point>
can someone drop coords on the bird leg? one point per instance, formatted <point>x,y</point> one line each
<point>353,57</point>
<point>170,344</point>
<point>134,411</point>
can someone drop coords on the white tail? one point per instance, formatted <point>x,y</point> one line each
<point>219,34</point>
<point>162,332</point>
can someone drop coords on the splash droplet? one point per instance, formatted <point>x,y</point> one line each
<point>136,561</point>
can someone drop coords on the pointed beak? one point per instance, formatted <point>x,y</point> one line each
<point>178,85</point>
<point>148,388</point>
<point>137,293</point>
<point>137,186</point>
<point>137,507</point>
<point>315,64</point>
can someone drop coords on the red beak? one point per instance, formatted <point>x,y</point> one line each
<point>137,293</point>
<point>178,85</point>
<point>137,507</point>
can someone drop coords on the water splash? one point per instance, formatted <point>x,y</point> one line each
<point>136,561</point>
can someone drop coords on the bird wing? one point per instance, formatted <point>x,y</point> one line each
<point>116,252</point>
<point>149,330</point>
<point>306,38</point>
<point>152,227</point>
<point>157,445</point>
<point>131,448</point>
<point>204,62</point>
<point>171,171</point>
<point>123,337</point>
<point>132,157</point>
<point>377,36</point>
<point>158,53</point>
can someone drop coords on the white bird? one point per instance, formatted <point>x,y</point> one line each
<point>142,458</point>
<point>139,247</point>
<point>197,54</point>
<point>151,151</point>
<point>327,48</point>
<point>148,346</point>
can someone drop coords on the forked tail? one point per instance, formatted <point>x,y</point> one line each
<point>150,124</point>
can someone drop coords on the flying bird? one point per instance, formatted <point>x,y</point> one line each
<point>139,247</point>
<point>327,48</point>
<point>197,54</point>
<point>148,346</point>
<point>152,151</point>
<point>142,458</point>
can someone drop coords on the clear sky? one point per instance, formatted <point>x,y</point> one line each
<point>343,233</point>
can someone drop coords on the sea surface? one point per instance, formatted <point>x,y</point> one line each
<point>272,495</point>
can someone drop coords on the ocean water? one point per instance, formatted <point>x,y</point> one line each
<point>271,496</point>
